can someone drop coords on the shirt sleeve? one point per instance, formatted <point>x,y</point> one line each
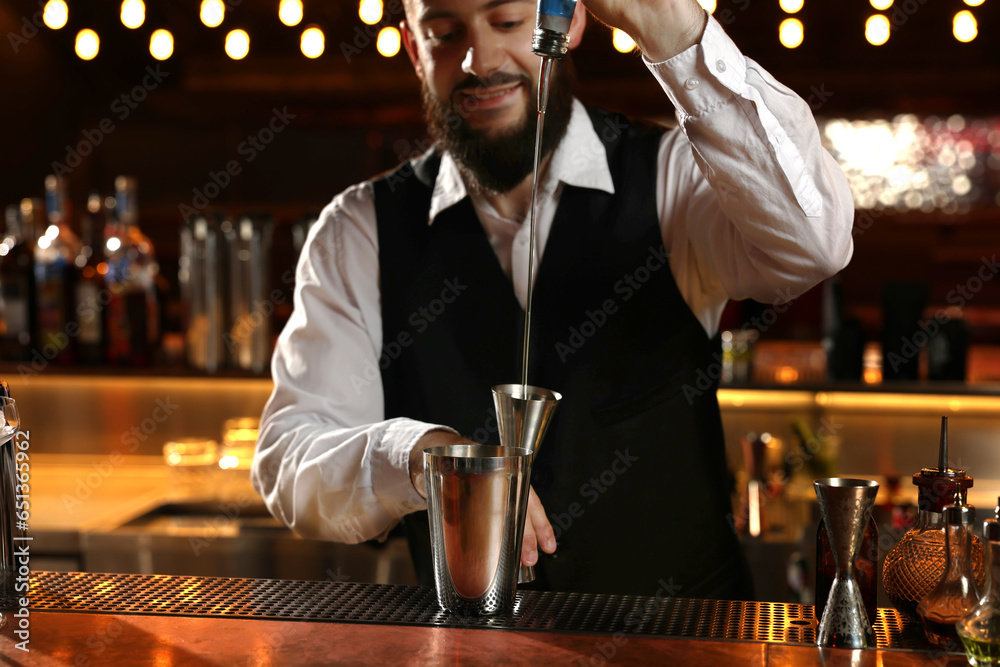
<point>328,464</point>
<point>751,204</point>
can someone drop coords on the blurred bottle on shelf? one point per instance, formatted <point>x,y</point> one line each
<point>203,280</point>
<point>17,280</point>
<point>55,275</point>
<point>91,292</point>
<point>132,315</point>
<point>248,338</point>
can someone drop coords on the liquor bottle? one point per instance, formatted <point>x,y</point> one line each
<point>956,594</point>
<point>132,314</point>
<point>865,569</point>
<point>980,629</point>
<point>17,281</point>
<point>914,566</point>
<point>91,294</point>
<point>55,275</point>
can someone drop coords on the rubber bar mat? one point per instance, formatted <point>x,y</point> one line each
<point>588,613</point>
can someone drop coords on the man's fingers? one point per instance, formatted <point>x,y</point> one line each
<point>537,531</point>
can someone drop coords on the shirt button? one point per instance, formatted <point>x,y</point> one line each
<point>720,65</point>
<point>692,83</point>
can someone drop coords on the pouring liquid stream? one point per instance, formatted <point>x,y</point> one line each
<point>545,73</point>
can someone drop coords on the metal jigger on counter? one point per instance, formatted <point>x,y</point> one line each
<point>523,416</point>
<point>845,505</point>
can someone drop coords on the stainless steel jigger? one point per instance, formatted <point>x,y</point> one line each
<point>523,418</point>
<point>845,505</point>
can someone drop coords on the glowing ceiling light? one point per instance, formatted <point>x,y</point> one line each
<point>791,6</point>
<point>708,5</point>
<point>881,5</point>
<point>973,3</point>
<point>133,13</point>
<point>370,11</point>
<point>964,26</point>
<point>212,12</point>
<point>621,41</point>
<point>388,42</point>
<point>87,44</point>
<point>877,29</point>
<point>237,44</point>
<point>312,42</point>
<point>290,12</point>
<point>161,44</point>
<point>791,33</point>
<point>55,14</point>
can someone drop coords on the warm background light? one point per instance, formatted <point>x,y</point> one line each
<point>388,42</point>
<point>877,30</point>
<point>87,44</point>
<point>55,14</point>
<point>370,11</point>
<point>964,26</point>
<point>790,33</point>
<point>621,41</point>
<point>161,44</point>
<point>708,5</point>
<point>973,3</point>
<point>212,12</point>
<point>290,12</point>
<point>133,13</point>
<point>312,43</point>
<point>237,44</point>
<point>881,5</point>
<point>791,6</point>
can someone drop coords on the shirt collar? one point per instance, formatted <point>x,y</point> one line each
<point>579,160</point>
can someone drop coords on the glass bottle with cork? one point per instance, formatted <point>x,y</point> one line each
<point>980,629</point>
<point>914,567</point>
<point>956,594</point>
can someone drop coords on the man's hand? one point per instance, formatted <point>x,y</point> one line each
<point>661,28</point>
<point>537,529</point>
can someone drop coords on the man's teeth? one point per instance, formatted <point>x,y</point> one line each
<point>489,96</point>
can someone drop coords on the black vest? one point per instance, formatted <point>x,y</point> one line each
<point>632,472</point>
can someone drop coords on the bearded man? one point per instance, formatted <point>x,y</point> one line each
<point>410,294</point>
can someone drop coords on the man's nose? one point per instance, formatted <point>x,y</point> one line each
<point>485,56</point>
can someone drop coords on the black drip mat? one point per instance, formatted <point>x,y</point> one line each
<point>587,613</point>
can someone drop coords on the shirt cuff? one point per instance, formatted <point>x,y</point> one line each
<point>391,465</point>
<point>704,76</point>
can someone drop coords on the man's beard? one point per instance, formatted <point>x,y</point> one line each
<point>497,164</point>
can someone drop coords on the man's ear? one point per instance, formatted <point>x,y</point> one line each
<point>577,26</point>
<point>410,44</point>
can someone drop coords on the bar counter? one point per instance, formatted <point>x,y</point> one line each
<point>117,619</point>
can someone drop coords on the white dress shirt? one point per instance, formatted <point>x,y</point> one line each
<point>750,206</point>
